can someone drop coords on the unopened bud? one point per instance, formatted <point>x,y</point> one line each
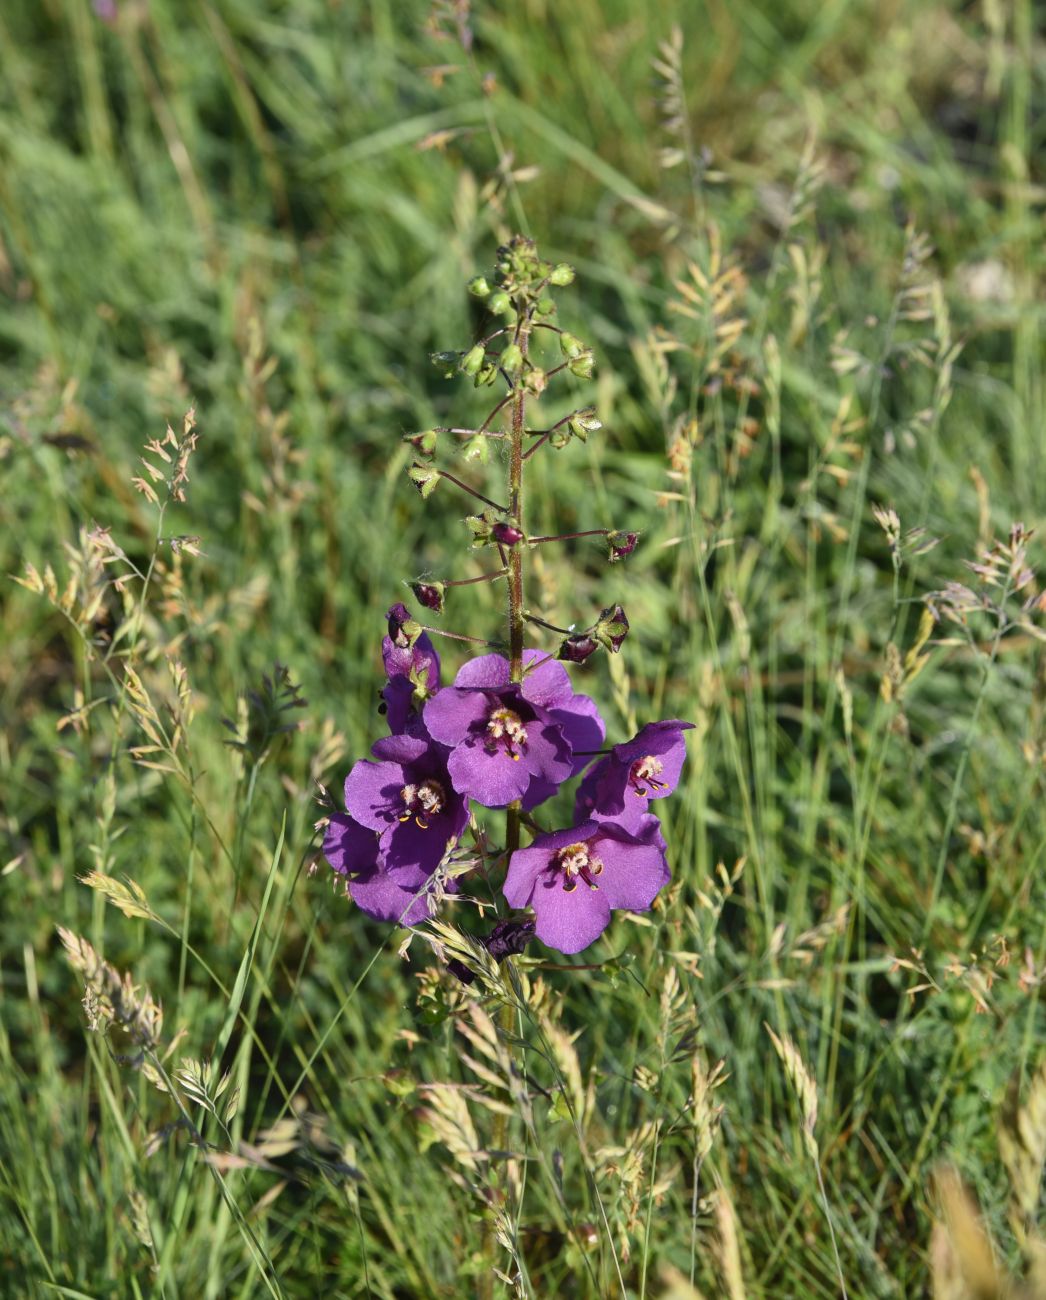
<point>424,478</point>
<point>576,649</point>
<point>499,302</point>
<point>571,345</point>
<point>403,629</point>
<point>512,359</point>
<point>429,594</point>
<point>535,380</point>
<point>561,275</point>
<point>545,307</point>
<point>472,361</point>
<point>478,287</point>
<point>506,534</point>
<point>611,628</point>
<point>582,366</point>
<point>621,544</point>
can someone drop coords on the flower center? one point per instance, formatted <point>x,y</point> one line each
<point>505,730</point>
<point>578,862</point>
<point>422,802</point>
<point>644,772</point>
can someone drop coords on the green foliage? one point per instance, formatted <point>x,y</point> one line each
<point>809,271</point>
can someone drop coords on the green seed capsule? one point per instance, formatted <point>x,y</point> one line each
<point>561,275</point>
<point>478,287</point>
<point>472,361</point>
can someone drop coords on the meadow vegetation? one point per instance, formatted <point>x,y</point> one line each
<point>808,249</point>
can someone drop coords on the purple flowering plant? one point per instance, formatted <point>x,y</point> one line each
<point>509,731</point>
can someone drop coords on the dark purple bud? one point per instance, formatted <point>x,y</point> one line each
<point>507,939</point>
<point>429,594</point>
<point>506,534</point>
<point>576,649</point>
<point>611,628</point>
<point>403,630</point>
<point>621,544</point>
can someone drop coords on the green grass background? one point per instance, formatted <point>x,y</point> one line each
<point>270,210</point>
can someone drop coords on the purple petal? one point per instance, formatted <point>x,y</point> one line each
<point>399,749</point>
<point>495,780</point>
<point>451,714</point>
<point>487,671</point>
<point>633,871</point>
<point>372,791</point>
<point>386,899</point>
<point>350,848</point>
<point>582,728</point>
<point>547,685</point>
<point>571,921</point>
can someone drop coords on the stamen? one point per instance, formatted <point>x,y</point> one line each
<point>646,769</point>
<point>422,802</point>
<point>577,862</point>
<point>505,730</point>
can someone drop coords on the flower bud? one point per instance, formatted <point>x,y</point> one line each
<point>478,287</point>
<point>429,594</point>
<point>545,307</point>
<point>506,534</point>
<point>403,629</point>
<point>499,302</point>
<point>424,478</point>
<point>582,365</point>
<point>570,345</point>
<point>512,359</point>
<point>621,544</point>
<point>561,275</point>
<point>611,628</point>
<point>577,648</point>
<point>472,361</point>
<point>535,381</point>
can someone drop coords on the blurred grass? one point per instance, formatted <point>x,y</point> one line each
<point>227,204</point>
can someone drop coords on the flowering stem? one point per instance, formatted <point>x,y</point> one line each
<point>569,537</point>
<point>471,491</point>
<point>516,620</point>
<point>460,636</point>
<point>533,618</point>
<point>483,577</point>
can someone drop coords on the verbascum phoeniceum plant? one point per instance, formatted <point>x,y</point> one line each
<point>510,730</point>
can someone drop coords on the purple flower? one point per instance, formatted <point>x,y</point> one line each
<point>353,852</point>
<point>413,673</point>
<point>512,741</point>
<point>574,879</point>
<point>619,787</point>
<point>407,797</point>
